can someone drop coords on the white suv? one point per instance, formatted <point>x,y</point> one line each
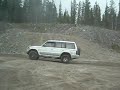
<point>64,50</point>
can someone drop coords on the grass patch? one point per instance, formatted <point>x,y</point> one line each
<point>116,47</point>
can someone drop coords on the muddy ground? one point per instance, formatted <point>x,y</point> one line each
<point>20,73</point>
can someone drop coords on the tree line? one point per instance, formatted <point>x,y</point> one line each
<point>35,11</point>
<point>45,11</point>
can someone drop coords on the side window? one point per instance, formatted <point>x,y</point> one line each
<point>60,45</point>
<point>70,45</point>
<point>63,45</point>
<point>49,44</point>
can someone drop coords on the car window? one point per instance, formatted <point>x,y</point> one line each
<point>70,45</point>
<point>60,45</point>
<point>49,44</point>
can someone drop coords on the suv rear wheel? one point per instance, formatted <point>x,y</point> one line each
<point>33,55</point>
<point>65,58</point>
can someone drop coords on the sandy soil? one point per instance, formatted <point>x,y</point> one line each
<point>97,69</point>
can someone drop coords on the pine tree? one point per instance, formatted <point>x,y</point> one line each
<point>87,12</point>
<point>26,11</point>
<point>91,17</point>
<point>79,13</point>
<point>0,3</point>
<point>118,18</point>
<point>97,15</point>
<point>73,11</point>
<point>44,11</point>
<point>60,13</point>
<point>14,10</point>
<point>0,10</point>
<point>83,14</point>
<point>54,12</point>
<point>103,20</point>
<point>49,12</point>
<point>37,5</point>
<point>4,10</point>
<point>37,12</point>
<point>40,11</point>
<point>17,11</point>
<point>66,17</point>
<point>118,21</point>
<point>34,10</point>
<point>106,17</point>
<point>112,15</point>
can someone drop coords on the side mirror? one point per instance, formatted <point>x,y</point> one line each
<point>44,45</point>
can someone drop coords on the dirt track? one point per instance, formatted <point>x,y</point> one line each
<point>20,73</point>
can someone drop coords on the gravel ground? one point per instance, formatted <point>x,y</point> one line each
<point>20,73</point>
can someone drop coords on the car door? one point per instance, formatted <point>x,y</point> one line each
<point>47,49</point>
<point>59,48</point>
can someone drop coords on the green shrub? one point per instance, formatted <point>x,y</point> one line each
<point>116,47</point>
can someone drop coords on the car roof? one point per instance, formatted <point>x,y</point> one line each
<point>60,41</point>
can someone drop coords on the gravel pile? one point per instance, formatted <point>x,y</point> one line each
<point>16,41</point>
<point>17,38</point>
<point>102,36</point>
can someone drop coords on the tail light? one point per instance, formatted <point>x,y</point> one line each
<point>78,51</point>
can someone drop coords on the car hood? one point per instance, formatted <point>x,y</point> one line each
<point>34,47</point>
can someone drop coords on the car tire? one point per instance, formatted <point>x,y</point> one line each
<point>65,58</point>
<point>33,55</point>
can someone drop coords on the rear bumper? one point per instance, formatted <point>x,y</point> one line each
<point>75,56</point>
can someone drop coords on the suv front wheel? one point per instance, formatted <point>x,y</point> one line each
<point>33,55</point>
<point>65,58</point>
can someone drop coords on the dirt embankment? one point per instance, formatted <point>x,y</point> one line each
<point>19,36</point>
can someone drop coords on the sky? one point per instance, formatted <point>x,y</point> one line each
<point>67,3</point>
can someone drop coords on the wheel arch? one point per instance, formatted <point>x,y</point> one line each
<point>32,50</point>
<point>65,53</point>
